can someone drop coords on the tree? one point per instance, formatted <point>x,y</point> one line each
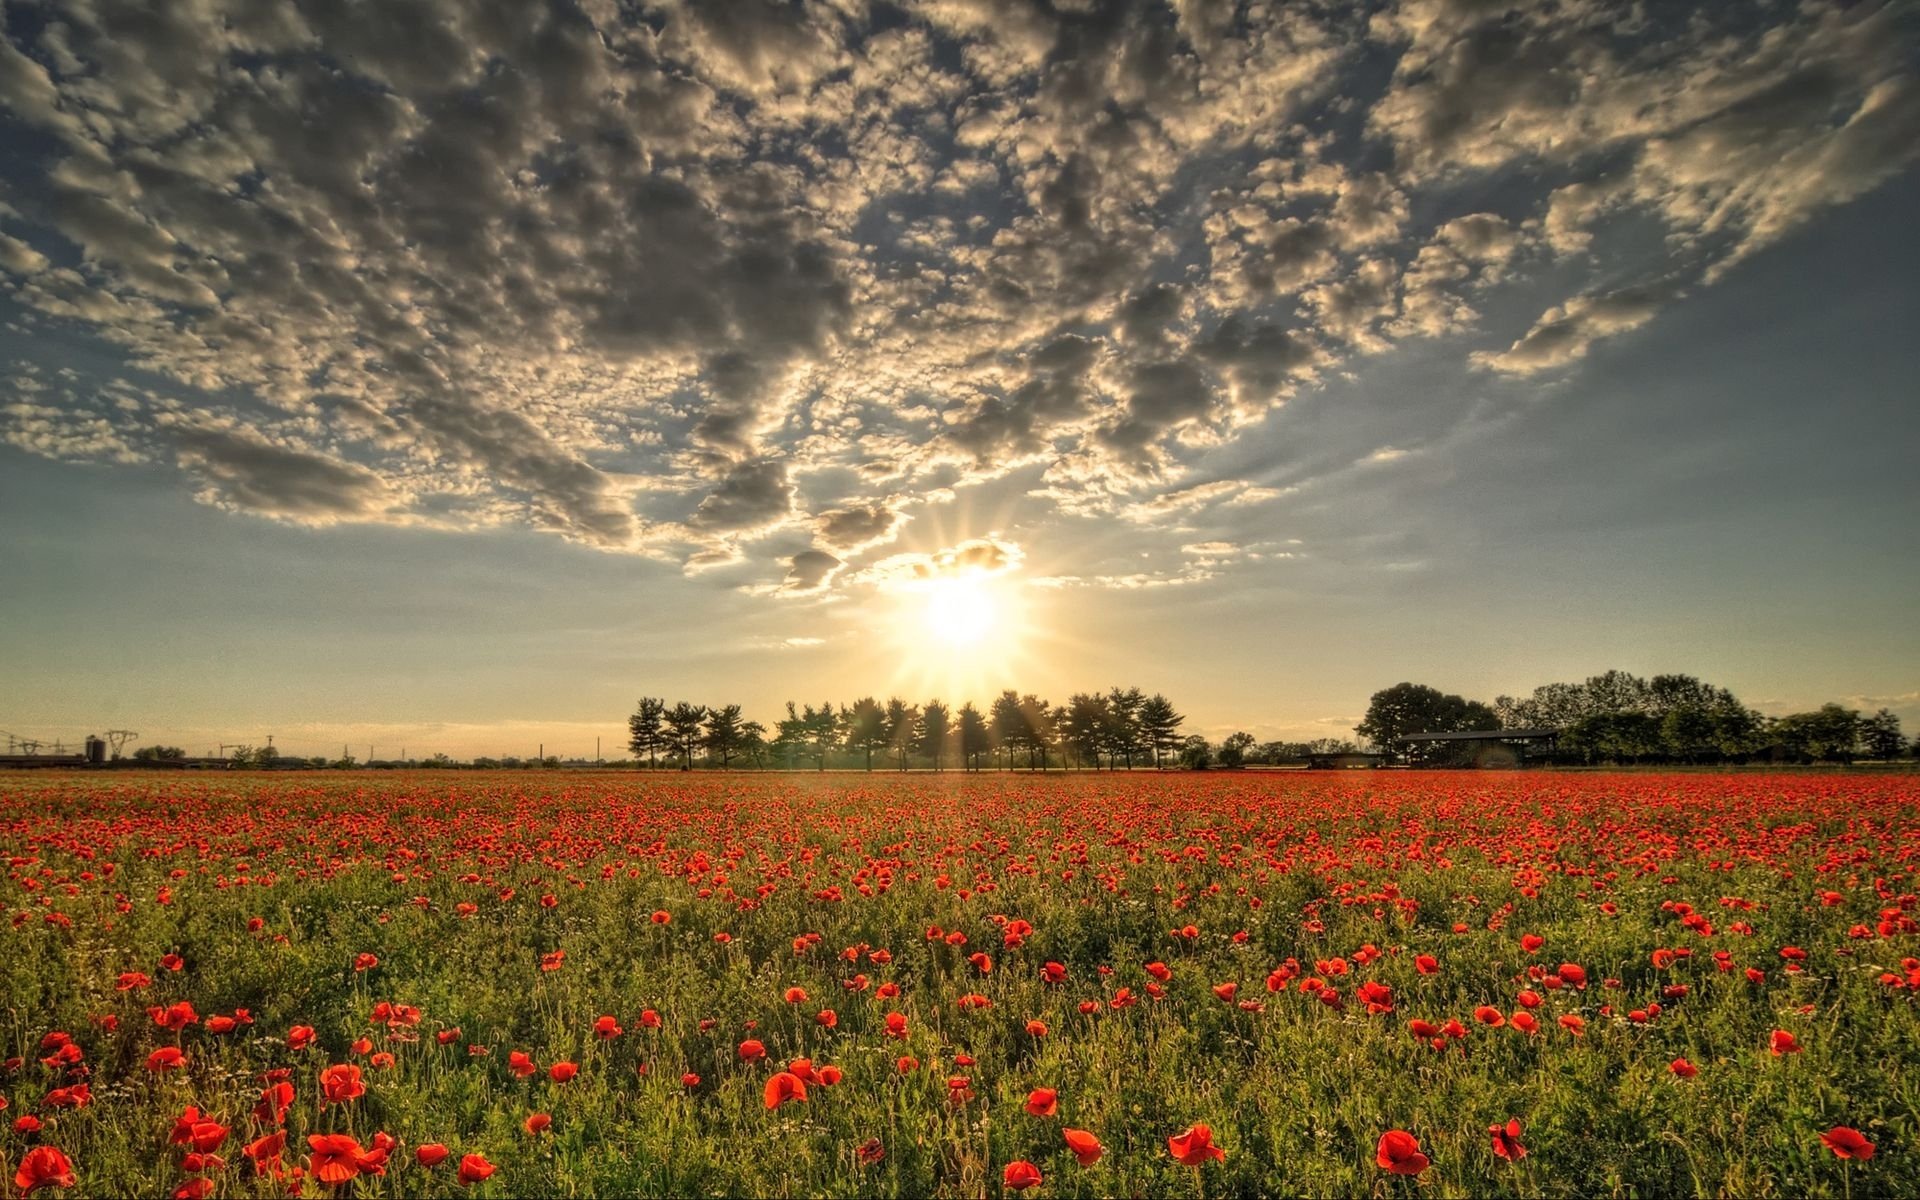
<point>724,734</point>
<point>753,743</point>
<point>1007,723</point>
<point>1233,751</point>
<point>643,728</point>
<point>1880,736</point>
<point>1160,726</point>
<point>901,720</point>
<point>791,734</point>
<point>1195,754</point>
<point>1407,708</point>
<point>866,726</point>
<point>823,730</point>
<point>1085,726</point>
<point>683,730</point>
<point>1829,734</point>
<point>975,737</point>
<point>1042,731</point>
<point>1124,731</point>
<point>159,754</point>
<point>935,724</point>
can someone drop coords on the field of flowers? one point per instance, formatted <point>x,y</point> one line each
<point>1189,985</point>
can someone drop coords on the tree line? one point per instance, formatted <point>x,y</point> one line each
<point>1618,717</point>
<point>1118,728</point>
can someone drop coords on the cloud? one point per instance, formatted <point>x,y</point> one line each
<point>239,469</point>
<point>1564,333</point>
<point>977,556</point>
<point>810,571</point>
<point>857,527</point>
<point>663,280</point>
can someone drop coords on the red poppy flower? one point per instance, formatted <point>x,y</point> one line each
<point>474,1168</point>
<point>430,1154</point>
<point>335,1158</point>
<point>538,1123</point>
<point>264,1151</point>
<point>521,1063</point>
<point>341,1083</point>
<point>1506,1140</point>
<point>43,1166</point>
<point>1783,1042</point>
<point>1085,1147</point>
<point>606,1028</point>
<point>1531,942</point>
<point>1683,1068</point>
<point>1426,964</point>
<point>1043,1102</point>
<point>1847,1142</point>
<point>563,1072</point>
<point>1525,1022</point>
<point>1574,1024</point>
<point>1399,1152</point>
<point>1194,1147</point>
<point>166,1058</point>
<point>870,1151</point>
<point>752,1051</point>
<point>1020,1175</point>
<point>783,1087</point>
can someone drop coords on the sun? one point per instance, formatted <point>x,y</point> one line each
<point>959,611</point>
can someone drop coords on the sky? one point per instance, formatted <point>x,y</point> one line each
<point>447,375</point>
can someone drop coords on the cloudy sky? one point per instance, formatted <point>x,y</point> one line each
<point>452,373</point>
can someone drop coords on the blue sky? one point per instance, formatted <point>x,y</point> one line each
<point>449,375</point>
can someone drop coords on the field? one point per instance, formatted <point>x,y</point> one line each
<point>582,985</point>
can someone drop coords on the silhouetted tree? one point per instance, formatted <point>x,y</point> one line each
<point>901,718</point>
<point>724,733</point>
<point>645,736</point>
<point>1160,726</point>
<point>975,736</point>
<point>1233,751</point>
<point>684,723</point>
<point>1085,726</point>
<point>866,726</point>
<point>1126,735</point>
<point>1880,735</point>
<point>936,724</point>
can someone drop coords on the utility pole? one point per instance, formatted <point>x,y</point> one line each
<point>596,749</point>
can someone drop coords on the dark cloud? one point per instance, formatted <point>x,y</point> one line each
<point>488,260</point>
<point>810,571</point>
<point>753,497</point>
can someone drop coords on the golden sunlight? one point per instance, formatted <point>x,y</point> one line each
<point>959,611</point>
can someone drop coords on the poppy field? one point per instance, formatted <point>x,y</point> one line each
<point>1356,984</point>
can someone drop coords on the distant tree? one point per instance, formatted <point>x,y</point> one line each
<point>1041,730</point>
<point>1880,735</point>
<point>159,754</point>
<point>1407,708</point>
<point>1085,725</point>
<point>723,734</point>
<point>1831,733</point>
<point>1007,724</point>
<point>901,718</point>
<point>1195,753</point>
<point>645,734</point>
<point>866,727</point>
<point>975,736</point>
<point>823,731</point>
<point>242,757</point>
<point>1160,726</point>
<point>792,735</point>
<point>753,743</point>
<point>1125,733</point>
<point>1233,751</point>
<point>684,726</point>
<point>936,724</point>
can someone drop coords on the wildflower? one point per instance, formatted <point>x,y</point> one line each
<point>1399,1152</point>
